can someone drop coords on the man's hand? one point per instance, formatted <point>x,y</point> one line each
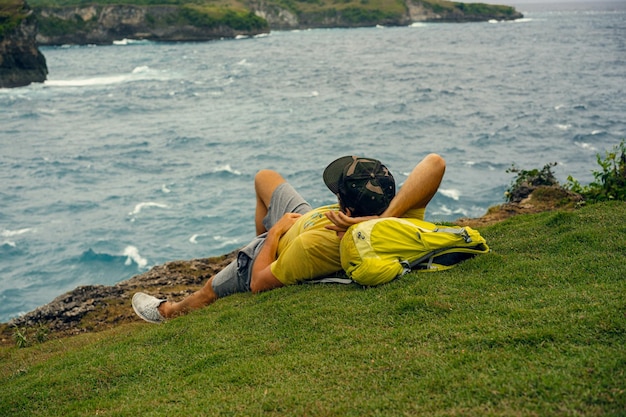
<point>341,221</point>
<point>284,224</point>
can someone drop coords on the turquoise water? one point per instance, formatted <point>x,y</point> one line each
<point>135,154</point>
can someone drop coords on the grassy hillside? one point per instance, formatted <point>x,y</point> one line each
<point>537,327</point>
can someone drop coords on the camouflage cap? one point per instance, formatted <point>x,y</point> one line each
<point>363,185</point>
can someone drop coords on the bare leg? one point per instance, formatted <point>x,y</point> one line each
<point>198,299</point>
<point>265,182</point>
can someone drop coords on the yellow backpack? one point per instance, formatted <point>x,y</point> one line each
<point>377,251</point>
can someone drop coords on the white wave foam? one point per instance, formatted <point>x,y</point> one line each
<point>11,233</point>
<point>227,168</point>
<point>417,25</point>
<point>444,210</point>
<point>124,42</point>
<point>137,74</point>
<point>225,242</point>
<point>9,243</point>
<point>132,254</point>
<point>165,189</point>
<point>586,146</point>
<point>193,238</point>
<point>141,206</point>
<point>451,193</point>
<point>563,127</point>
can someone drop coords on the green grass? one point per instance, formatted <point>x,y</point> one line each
<point>535,328</point>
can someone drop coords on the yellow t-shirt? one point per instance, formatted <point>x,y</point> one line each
<point>308,250</point>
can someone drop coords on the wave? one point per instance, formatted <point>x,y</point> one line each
<point>563,126</point>
<point>11,233</point>
<point>444,210</point>
<point>450,193</point>
<point>226,242</point>
<point>520,20</point>
<point>144,205</point>
<point>226,168</point>
<point>125,42</point>
<point>132,255</point>
<point>593,136</point>
<point>140,73</point>
<point>585,146</point>
<point>90,255</point>
<point>220,171</point>
<point>129,256</point>
<point>8,244</point>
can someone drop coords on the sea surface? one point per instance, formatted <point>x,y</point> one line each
<point>139,153</point>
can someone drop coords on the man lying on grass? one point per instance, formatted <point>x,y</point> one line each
<point>295,242</point>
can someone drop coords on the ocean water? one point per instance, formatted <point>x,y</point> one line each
<point>139,153</point>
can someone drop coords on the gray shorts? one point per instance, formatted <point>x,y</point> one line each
<point>236,276</point>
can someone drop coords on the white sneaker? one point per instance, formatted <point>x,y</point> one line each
<point>147,307</point>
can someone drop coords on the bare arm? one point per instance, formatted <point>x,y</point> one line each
<point>262,277</point>
<point>417,191</point>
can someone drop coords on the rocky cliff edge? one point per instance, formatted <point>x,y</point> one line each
<point>21,62</point>
<point>99,307</point>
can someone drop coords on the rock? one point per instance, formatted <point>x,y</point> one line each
<point>529,200</point>
<point>97,307</point>
<point>21,62</point>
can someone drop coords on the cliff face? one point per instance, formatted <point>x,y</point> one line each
<point>104,24</point>
<point>21,62</point>
<point>95,24</point>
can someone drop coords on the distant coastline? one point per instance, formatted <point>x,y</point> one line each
<point>569,5</point>
<point>102,22</point>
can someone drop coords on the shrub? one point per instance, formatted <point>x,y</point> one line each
<point>527,181</point>
<point>12,12</point>
<point>610,180</point>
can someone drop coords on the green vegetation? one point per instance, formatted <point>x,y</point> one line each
<point>443,6</point>
<point>12,12</point>
<point>236,13</point>
<point>527,180</point>
<point>211,17</point>
<point>482,8</point>
<point>610,181</point>
<point>53,26</point>
<point>537,327</point>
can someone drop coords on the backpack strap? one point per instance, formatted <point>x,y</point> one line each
<point>457,231</point>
